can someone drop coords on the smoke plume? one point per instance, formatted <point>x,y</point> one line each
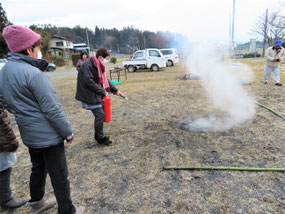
<point>223,83</point>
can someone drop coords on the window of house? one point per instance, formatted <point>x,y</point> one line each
<point>59,44</point>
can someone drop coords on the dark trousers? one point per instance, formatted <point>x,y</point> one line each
<point>51,160</point>
<point>5,189</point>
<point>98,123</point>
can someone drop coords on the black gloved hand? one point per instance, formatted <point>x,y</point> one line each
<point>70,138</point>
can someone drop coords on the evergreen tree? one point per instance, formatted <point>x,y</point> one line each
<point>45,36</point>
<point>127,40</point>
<point>3,23</point>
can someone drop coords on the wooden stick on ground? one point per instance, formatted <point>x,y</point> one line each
<point>223,168</point>
<point>274,112</point>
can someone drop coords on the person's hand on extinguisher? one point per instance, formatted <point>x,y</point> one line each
<point>119,94</point>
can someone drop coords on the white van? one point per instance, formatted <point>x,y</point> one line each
<point>171,56</point>
<point>149,58</point>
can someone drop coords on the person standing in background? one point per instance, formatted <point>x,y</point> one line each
<point>274,56</point>
<point>83,58</point>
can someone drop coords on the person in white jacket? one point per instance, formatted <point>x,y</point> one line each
<point>274,55</point>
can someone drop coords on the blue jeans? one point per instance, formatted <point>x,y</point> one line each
<point>51,160</point>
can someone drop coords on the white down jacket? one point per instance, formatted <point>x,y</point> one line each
<point>272,54</point>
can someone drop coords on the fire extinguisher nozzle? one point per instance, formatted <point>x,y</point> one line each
<point>124,97</point>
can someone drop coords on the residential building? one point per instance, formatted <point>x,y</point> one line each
<point>61,47</point>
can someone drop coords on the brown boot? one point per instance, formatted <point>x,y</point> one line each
<point>13,203</point>
<point>40,206</point>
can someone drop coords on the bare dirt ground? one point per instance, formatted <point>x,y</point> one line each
<point>127,177</point>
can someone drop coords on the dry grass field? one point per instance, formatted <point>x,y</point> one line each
<point>127,177</point>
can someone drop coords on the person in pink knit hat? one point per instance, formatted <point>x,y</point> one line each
<point>29,94</point>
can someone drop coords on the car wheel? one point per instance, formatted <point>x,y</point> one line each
<point>169,63</point>
<point>50,69</point>
<point>131,68</point>
<point>154,67</point>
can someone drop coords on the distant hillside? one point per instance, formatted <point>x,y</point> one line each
<point>245,46</point>
<point>127,40</point>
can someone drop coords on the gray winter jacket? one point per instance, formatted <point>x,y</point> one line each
<point>29,94</point>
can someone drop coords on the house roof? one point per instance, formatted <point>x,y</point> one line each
<point>58,37</point>
<point>79,45</point>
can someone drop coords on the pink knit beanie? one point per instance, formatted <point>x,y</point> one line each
<point>19,38</point>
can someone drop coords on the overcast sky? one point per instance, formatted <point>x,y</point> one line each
<point>199,20</point>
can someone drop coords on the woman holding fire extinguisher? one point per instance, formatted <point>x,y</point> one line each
<point>92,86</point>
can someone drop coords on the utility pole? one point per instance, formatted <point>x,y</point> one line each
<point>230,32</point>
<point>233,26</point>
<point>265,32</point>
<point>118,48</point>
<point>87,40</point>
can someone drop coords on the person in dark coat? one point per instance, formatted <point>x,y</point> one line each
<point>8,147</point>
<point>29,94</point>
<point>92,85</point>
<point>83,58</point>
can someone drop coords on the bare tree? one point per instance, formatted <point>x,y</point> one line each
<point>275,27</point>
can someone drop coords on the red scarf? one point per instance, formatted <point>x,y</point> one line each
<point>102,74</point>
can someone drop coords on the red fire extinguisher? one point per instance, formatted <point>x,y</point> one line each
<point>107,108</point>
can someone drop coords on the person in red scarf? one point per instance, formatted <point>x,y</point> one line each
<point>92,85</point>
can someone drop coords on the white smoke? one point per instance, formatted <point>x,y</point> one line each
<point>223,83</point>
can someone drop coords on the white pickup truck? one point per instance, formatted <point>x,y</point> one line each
<point>143,59</point>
